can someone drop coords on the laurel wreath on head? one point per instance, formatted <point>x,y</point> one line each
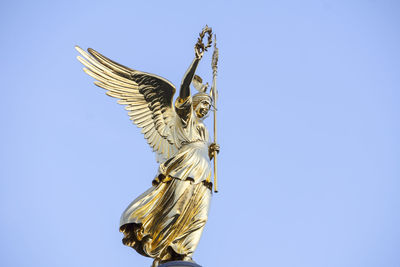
<point>200,45</point>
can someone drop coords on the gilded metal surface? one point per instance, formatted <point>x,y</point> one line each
<point>214,94</point>
<point>167,220</point>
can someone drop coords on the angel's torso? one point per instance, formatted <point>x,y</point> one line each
<point>192,140</point>
<point>194,132</point>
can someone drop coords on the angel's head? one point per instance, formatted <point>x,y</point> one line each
<point>201,104</point>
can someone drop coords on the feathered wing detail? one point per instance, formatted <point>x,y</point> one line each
<point>148,98</point>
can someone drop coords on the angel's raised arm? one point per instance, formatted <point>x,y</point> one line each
<point>187,79</point>
<point>183,104</point>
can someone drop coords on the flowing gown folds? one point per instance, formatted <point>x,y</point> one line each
<point>167,220</point>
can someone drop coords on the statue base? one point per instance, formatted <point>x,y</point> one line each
<point>179,264</point>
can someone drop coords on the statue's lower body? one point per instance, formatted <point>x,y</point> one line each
<point>166,222</point>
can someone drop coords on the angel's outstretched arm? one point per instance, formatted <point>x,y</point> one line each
<point>187,79</point>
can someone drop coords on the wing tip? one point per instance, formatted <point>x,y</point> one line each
<point>78,48</point>
<point>92,51</point>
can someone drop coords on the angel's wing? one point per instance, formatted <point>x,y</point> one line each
<point>148,98</point>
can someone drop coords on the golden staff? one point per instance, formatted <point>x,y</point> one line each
<point>214,94</point>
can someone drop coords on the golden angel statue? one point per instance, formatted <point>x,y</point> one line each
<point>166,221</point>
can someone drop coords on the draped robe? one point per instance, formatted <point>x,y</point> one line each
<point>167,220</point>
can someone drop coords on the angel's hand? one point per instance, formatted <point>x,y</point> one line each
<point>199,50</point>
<point>212,149</point>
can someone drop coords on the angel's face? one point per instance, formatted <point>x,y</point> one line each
<point>202,108</point>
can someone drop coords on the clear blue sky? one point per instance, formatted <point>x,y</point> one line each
<point>309,169</point>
